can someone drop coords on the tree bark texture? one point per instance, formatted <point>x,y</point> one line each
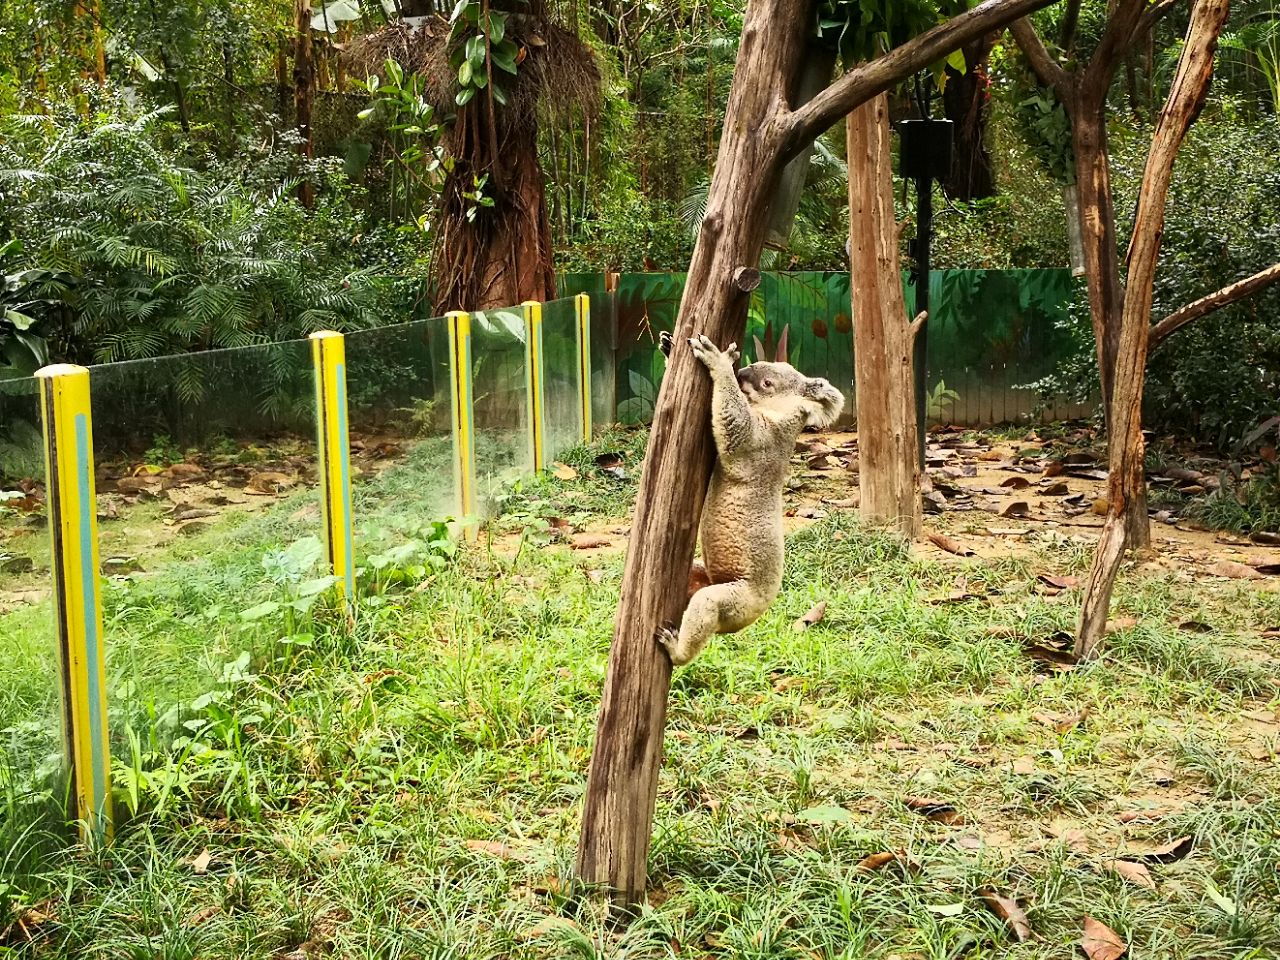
<point>499,254</point>
<point>964,102</point>
<point>1126,450</point>
<point>889,471</point>
<point>304,90</point>
<point>761,132</point>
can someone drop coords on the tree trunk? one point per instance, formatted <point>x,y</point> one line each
<point>1098,236</point>
<point>617,817</point>
<point>304,88</point>
<point>889,471</point>
<point>1127,480</point>
<point>761,132</point>
<point>964,102</point>
<point>498,253</point>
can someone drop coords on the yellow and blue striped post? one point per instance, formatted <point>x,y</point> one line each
<point>460,405</point>
<point>73,528</point>
<point>584,362</point>
<point>329,357</point>
<point>533,380</point>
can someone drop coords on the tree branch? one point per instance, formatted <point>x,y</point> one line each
<point>1118,36</point>
<point>1228,295</point>
<point>1153,15</point>
<point>863,82</point>
<point>1042,63</point>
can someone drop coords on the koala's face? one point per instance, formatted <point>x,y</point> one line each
<point>763,379</point>
<point>763,382</point>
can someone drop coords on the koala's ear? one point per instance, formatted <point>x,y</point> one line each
<point>827,402</point>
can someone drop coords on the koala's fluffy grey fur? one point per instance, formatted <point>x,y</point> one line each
<point>756,414</point>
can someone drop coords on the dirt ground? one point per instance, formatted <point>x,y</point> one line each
<point>987,495</point>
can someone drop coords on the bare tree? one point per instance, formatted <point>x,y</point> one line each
<point>1122,312</point>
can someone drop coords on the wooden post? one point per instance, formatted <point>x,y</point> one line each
<point>888,450</point>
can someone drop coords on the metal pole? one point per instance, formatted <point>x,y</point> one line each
<point>920,359</point>
<point>329,357</point>
<point>533,381</point>
<point>73,532</point>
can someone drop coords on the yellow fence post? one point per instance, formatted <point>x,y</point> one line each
<point>533,380</point>
<point>329,357</point>
<point>460,404</point>
<point>584,362</point>
<point>73,529</point>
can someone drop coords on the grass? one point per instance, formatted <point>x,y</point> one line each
<point>409,785</point>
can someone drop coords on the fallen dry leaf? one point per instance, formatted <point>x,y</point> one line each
<point>1062,582</point>
<point>1007,909</point>
<point>1062,722</point>
<point>1100,942</point>
<point>874,861</point>
<point>1233,570</point>
<point>1175,849</point>
<point>943,542</point>
<point>493,848</point>
<point>1135,873</point>
<point>1015,482</point>
<point>1195,626</point>
<point>939,811</point>
<point>1018,508</point>
<point>1059,489</point>
<point>1121,623</point>
<point>588,541</point>
<point>562,471</point>
<point>201,863</point>
<point>815,615</point>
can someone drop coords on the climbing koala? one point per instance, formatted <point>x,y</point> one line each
<point>756,415</point>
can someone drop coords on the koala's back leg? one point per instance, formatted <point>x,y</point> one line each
<point>719,608</point>
<point>698,577</point>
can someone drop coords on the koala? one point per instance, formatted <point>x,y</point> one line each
<point>756,414</point>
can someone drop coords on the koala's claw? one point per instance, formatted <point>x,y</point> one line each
<point>668,639</point>
<point>710,355</point>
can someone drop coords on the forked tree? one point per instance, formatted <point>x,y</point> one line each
<point>1121,307</point>
<point>765,126</point>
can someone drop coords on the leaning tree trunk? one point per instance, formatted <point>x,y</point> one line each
<point>1102,273</point>
<point>883,349</point>
<point>1127,479</point>
<point>762,130</point>
<point>617,818</point>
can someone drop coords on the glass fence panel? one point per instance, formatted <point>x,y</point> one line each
<point>604,329</point>
<point>560,389</point>
<point>206,477</point>
<point>398,390</point>
<point>30,726</point>
<point>500,403</point>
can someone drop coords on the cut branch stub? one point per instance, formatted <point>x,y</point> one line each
<point>746,279</point>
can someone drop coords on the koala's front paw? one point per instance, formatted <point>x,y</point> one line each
<point>711,355</point>
<point>670,640</point>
